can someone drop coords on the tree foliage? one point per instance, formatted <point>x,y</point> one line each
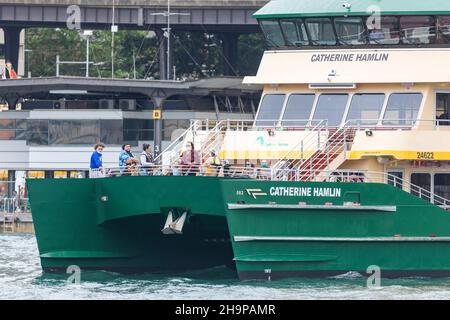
<point>195,54</point>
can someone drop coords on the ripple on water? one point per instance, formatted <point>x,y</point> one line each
<point>21,277</point>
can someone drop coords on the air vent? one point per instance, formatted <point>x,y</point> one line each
<point>106,104</point>
<point>127,104</point>
<point>332,86</point>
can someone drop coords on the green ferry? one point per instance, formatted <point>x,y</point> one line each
<point>345,166</point>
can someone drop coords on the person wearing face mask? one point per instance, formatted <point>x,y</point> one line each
<point>96,167</point>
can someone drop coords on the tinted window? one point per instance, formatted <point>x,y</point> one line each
<point>418,29</point>
<point>321,31</point>
<point>443,34</point>
<point>402,108</point>
<point>272,31</point>
<point>270,110</point>
<point>37,132</point>
<point>294,32</point>
<point>135,130</point>
<point>73,131</point>
<point>442,185</point>
<point>365,108</point>
<point>111,131</point>
<point>169,126</point>
<point>386,33</point>
<point>350,30</point>
<point>298,107</point>
<point>421,185</point>
<point>331,107</point>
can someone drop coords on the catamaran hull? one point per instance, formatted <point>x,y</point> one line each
<point>268,229</point>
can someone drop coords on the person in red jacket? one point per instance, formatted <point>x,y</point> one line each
<point>9,71</point>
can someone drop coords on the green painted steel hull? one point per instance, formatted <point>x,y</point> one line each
<point>269,229</point>
<point>75,227</point>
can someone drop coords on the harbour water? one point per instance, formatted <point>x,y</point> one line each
<point>21,278</point>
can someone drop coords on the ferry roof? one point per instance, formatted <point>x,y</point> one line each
<point>327,8</point>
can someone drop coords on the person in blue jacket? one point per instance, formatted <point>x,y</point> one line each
<point>97,161</point>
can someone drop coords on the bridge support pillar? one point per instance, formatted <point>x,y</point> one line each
<point>158,128</point>
<point>12,45</point>
<point>165,74</point>
<point>230,52</point>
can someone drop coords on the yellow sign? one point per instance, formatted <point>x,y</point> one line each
<point>157,114</point>
<point>36,174</point>
<point>3,174</point>
<point>401,155</point>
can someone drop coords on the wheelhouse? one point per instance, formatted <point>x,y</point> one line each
<point>309,23</point>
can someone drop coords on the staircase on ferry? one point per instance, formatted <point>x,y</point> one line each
<point>326,156</point>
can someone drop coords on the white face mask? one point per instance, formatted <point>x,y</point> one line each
<point>100,151</point>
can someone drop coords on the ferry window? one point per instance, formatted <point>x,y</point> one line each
<point>331,107</point>
<point>443,109</point>
<point>298,107</point>
<point>365,108</point>
<point>294,32</point>
<point>418,29</point>
<point>402,108</point>
<point>421,185</point>
<point>270,110</point>
<point>321,31</point>
<point>387,33</point>
<point>443,34</point>
<point>272,32</point>
<point>442,185</point>
<point>350,31</point>
<point>73,131</point>
<point>395,178</point>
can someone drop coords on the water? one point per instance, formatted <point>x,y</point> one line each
<point>21,278</point>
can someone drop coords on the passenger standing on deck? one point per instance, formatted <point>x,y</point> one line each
<point>146,160</point>
<point>190,160</point>
<point>9,71</point>
<point>127,161</point>
<point>213,164</point>
<point>96,167</point>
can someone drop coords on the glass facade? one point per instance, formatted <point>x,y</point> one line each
<point>365,108</point>
<point>331,107</point>
<point>298,107</point>
<point>351,31</point>
<point>402,108</point>
<point>321,31</point>
<point>272,31</point>
<point>418,29</point>
<point>294,32</point>
<point>442,185</point>
<point>270,109</point>
<point>77,132</point>
<point>169,126</point>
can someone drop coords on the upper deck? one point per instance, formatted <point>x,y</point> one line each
<point>319,23</point>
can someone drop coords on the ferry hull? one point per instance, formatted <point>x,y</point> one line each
<point>268,229</point>
<point>123,232</point>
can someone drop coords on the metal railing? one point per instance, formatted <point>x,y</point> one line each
<point>295,175</point>
<point>309,145</point>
